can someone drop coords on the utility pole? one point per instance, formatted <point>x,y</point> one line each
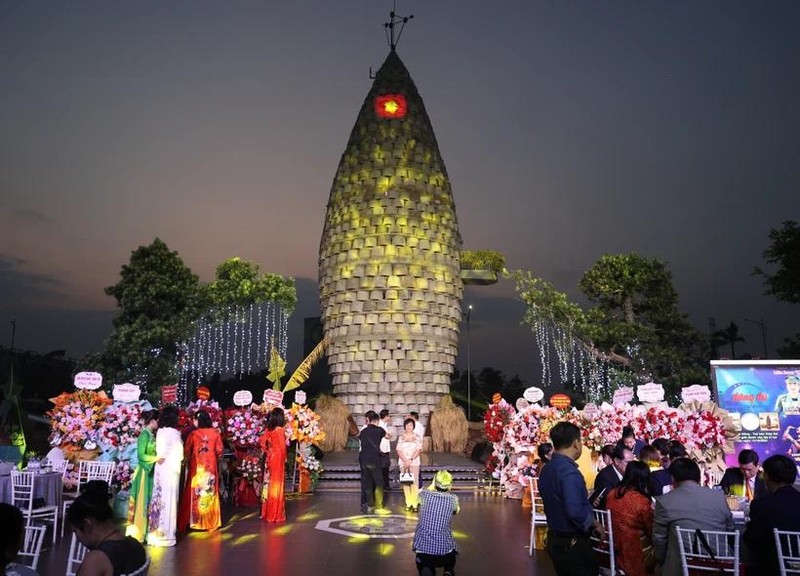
<point>763,333</point>
<point>469,368</point>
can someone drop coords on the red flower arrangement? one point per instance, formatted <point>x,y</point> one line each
<point>211,407</point>
<point>497,417</point>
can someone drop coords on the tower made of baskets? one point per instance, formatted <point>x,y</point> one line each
<point>390,290</point>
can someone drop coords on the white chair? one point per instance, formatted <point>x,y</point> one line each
<point>537,511</point>
<point>76,553</point>
<point>87,470</point>
<point>719,554</point>
<point>32,546</point>
<point>141,571</point>
<point>713,477</point>
<point>788,546</point>
<point>604,549</point>
<point>60,466</point>
<point>22,495</point>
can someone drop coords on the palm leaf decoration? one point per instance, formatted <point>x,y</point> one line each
<point>303,371</point>
<point>277,368</point>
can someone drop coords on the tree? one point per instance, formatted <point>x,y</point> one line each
<point>783,251</point>
<point>240,282</point>
<point>633,322</point>
<point>159,299</point>
<point>729,335</point>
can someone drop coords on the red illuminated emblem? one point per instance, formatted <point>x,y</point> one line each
<point>560,401</point>
<point>391,106</point>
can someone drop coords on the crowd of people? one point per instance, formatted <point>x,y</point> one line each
<point>651,489</point>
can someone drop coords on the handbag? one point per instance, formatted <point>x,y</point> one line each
<point>714,563</point>
<point>406,477</point>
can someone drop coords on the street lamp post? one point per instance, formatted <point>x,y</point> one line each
<point>13,333</point>
<point>469,369</point>
<point>763,333</point>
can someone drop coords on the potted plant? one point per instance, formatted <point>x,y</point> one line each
<point>481,267</point>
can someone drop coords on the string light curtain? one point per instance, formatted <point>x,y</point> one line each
<point>235,340</point>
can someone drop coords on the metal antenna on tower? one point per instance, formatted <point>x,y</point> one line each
<point>391,26</point>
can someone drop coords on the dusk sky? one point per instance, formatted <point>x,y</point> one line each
<point>569,130</point>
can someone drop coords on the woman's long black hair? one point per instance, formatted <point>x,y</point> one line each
<point>636,478</point>
<point>275,419</point>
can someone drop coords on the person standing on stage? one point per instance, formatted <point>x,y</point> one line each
<point>386,447</point>
<point>369,458</point>
<point>570,519</point>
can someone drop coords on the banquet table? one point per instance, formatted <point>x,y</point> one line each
<point>47,485</point>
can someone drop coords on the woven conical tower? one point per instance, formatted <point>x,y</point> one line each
<point>389,257</point>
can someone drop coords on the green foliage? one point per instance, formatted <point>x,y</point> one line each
<point>159,298</point>
<point>545,302</point>
<point>483,260</point>
<point>783,251</point>
<point>240,282</point>
<point>633,322</point>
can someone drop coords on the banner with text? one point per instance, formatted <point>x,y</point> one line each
<point>763,398</point>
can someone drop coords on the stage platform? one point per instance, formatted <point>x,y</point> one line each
<point>326,535</point>
<point>342,472</point>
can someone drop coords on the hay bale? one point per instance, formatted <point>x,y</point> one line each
<point>334,420</point>
<point>448,427</point>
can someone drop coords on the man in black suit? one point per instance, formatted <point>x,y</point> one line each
<point>780,509</point>
<point>611,475</point>
<point>744,481</point>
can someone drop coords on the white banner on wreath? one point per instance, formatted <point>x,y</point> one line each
<point>623,395</point>
<point>88,380</point>
<point>695,393</point>
<point>650,393</point>
<point>533,394</point>
<point>243,398</point>
<point>126,392</point>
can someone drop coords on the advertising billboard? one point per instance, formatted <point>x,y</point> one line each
<point>763,398</point>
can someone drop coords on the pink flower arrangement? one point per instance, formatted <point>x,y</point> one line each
<point>123,476</point>
<point>522,434</point>
<point>77,417</point>
<point>606,428</point>
<point>703,431</point>
<point>122,424</point>
<point>243,427</point>
<point>659,422</point>
<point>250,468</point>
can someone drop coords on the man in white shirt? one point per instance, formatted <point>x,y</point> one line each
<point>386,447</point>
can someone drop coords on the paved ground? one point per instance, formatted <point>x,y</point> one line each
<point>492,533</point>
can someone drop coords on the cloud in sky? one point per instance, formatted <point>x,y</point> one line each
<point>25,288</point>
